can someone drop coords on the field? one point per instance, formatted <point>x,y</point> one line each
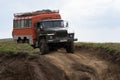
<point>91,61</point>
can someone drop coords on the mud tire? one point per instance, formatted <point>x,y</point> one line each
<point>70,47</point>
<point>43,47</point>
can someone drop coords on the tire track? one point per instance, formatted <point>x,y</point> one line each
<point>74,64</point>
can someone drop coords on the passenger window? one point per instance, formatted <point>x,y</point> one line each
<point>19,24</point>
<point>25,23</point>
<point>22,24</point>
<point>30,23</point>
<point>14,24</point>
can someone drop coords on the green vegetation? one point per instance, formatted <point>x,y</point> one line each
<point>108,51</point>
<point>14,48</point>
<point>105,46</point>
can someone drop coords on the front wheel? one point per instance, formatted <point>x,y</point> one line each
<point>70,47</point>
<point>43,46</point>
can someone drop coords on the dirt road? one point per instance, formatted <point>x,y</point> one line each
<point>59,65</point>
<point>82,65</point>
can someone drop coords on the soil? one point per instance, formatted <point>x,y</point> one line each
<point>58,65</point>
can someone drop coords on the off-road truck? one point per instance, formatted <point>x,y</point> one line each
<point>43,29</point>
<point>53,34</point>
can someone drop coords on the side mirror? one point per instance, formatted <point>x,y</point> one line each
<point>67,24</point>
<point>41,27</point>
<point>38,26</point>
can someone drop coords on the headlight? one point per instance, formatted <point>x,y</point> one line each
<point>50,37</point>
<point>71,35</point>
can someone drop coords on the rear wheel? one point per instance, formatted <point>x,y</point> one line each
<point>70,47</point>
<point>19,41</point>
<point>26,41</point>
<point>43,46</point>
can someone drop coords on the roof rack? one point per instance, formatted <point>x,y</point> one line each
<point>35,13</point>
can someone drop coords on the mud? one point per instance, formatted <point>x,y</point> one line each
<point>59,65</point>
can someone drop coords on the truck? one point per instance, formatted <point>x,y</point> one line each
<point>43,29</point>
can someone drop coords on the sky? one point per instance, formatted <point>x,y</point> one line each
<point>90,20</point>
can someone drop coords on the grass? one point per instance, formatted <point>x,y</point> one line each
<point>108,51</point>
<point>106,46</point>
<point>13,48</point>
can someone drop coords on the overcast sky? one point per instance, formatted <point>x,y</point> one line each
<point>91,20</point>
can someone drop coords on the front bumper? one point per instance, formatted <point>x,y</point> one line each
<point>61,40</point>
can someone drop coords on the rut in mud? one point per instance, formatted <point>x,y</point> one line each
<point>82,65</point>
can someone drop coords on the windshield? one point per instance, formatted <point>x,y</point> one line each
<point>52,24</point>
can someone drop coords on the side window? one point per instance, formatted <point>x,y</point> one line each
<point>25,23</point>
<point>18,24</point>
<point>22,23</point>
<point>14,24</point>
<point>30,23</point>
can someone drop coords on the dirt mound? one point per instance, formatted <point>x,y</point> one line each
<point>112,56</point>
<point>82,65</point>
<point>28,67</point>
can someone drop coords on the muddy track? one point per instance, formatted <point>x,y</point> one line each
<point>78,66</point>
<point>59,65</point>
